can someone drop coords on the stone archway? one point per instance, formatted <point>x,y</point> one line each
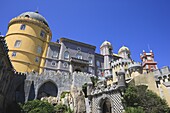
<point>47,89</point>
<point>105,106</point>
<point>78,70</point>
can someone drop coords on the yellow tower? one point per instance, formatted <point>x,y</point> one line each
<point>27,39</point>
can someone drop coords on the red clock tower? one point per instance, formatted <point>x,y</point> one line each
<point>148,62</point>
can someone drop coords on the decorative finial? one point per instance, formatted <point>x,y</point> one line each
<point>36,11</point>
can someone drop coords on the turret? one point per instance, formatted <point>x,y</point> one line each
<point>121,79</point>
<point>148,62</point>
<point>106,50</point>
<point>27,39</point>
<point>135,69</point>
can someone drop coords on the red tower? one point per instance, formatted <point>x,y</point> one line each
<point>148,62</point>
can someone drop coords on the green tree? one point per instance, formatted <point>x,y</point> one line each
<point>37,106</point>
<point>63,109</point>
<point>150,102</point>
<point>134,110</point>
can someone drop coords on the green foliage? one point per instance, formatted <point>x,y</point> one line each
<point>134,110</point>
<point>150,102</point>
<point>63,94</point>
<point>37,106</point>
<point>63,109</point>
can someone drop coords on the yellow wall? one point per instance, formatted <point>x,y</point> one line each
<point>31,39</point>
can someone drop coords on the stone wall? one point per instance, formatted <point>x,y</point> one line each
<point>63,82</point>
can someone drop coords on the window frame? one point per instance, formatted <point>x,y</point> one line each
<point>79,56</point>
<point>90,59</point>
<point>37,59</point>
<point>55,63</point>
<point>55,55</point>
<point>14,54</point>
<point>22,27</point>
<point>68,55</point>
<point>42,34</point>
<point>65,65</point>
<point>16,45</point>
<point>39,49</point>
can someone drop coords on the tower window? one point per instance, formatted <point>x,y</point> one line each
<point>39,50</point>
<point>66,55</point>
<point>36,59</point>
<point>27,16</point>
<point>23,26</point>
<point>79,56</point>
<point>17,43</point>
<point>14,54</point>
<point>42,34</point>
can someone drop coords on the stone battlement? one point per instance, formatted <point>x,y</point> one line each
<point>135,65</point>
<point>162,74</point>
<point>120,62</point>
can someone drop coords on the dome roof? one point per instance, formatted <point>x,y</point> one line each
<point>124,48</point>
<point>106,43</point>
<point>34,15</point>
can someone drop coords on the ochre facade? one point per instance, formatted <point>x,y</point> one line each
<point>28,57</point>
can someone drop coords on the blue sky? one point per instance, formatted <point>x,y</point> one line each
<point>133,23</point>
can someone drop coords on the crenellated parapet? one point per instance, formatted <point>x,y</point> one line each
<point>134,66</point>
<point>120,62</point>
<point>162,75</point>
<point>31,21</point>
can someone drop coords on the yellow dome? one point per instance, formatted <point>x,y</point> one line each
<point>106,43</point>
<point>124,48</point>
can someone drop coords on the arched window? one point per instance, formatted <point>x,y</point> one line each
<point>17,43</point>
<point>66,55</point>
<point>22,27</point>
<point>98,63</point>
<point>79,56</point>
<point>55,54</point>
<point>90,60</point>
<point>90,69</point>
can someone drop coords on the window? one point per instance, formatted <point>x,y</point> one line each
<point>98,63</point>
<point>79,56</point>
<point>17,43</point>
<point>36,59</point>
<point>53,63</point>
<point>39,50</point>
<point>14,54</point>
<point>98,72</point>
<point>65,64</point>
<point>78,48</point>
<point>90,60</point>
<point>90,70</point>
<point>66,55</point>
<point>55,54</point>
<point>22,27</point>
<point>42,34</point>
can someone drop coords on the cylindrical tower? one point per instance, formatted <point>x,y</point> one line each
<point>27,39</point>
